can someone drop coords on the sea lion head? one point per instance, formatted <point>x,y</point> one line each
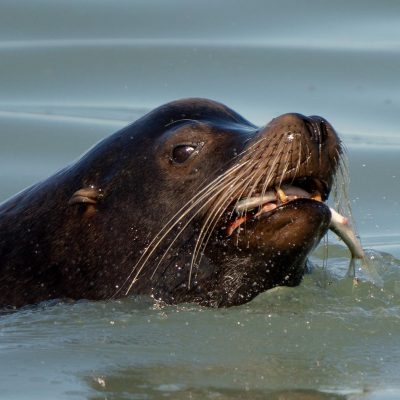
<point>191,203</point>
<point>192,162</point>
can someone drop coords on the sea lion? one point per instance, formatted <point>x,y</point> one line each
<point>165,207</point>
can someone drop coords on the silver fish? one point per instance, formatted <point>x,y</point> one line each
<point>341,226</point>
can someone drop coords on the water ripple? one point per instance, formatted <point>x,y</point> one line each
<point>253,43</point>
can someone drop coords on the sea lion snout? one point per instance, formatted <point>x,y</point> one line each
<point>316,127</point>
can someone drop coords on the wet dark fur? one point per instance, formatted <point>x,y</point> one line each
<point>158,227</point>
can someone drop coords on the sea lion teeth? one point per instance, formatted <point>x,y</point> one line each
<point>316,196</point>
<point>281,195</point>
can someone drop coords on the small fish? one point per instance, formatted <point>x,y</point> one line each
<point>290,193</point>
<point>341,226</point>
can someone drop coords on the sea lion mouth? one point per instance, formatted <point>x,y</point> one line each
<point>265,204</point>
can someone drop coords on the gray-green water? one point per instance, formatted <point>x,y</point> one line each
<point>72,72</point>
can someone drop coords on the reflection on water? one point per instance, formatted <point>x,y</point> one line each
<point>72,73</point>
<point>150,383</point>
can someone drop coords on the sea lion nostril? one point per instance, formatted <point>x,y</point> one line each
<point>323,130</point>
<point>313,130</point>
<point>317,127</point>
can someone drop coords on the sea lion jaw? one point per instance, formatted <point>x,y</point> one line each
<point>298,224</point>
<point>271,250</point>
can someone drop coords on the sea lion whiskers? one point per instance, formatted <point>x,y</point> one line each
<point>272,173</point>
<point>308,156</point>
<point>278,161</point>
<point>213,186</point>
<point>220,207</point>
<point>164,231</point>
<point>286,165</point>
<point>340,187</point>
<point>209,224</point>
<point>212,193</point>
<point>219,189</point>
<point>268,172</point>
<point>239,182</point>
<point>341,176</point>
<point>231,186</point>
<point>260,171</point>
<point>252,161</point>
<point>215,214</point>
<point>298,164</point>
<point>210,188</point>
<point>253,181</point>
<point>167,228</point>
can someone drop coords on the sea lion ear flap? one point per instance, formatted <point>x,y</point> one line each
<point>86,197</point>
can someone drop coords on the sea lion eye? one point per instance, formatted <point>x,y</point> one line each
<point>182,152</point>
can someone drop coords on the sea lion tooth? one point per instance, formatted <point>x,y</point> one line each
<point>316,196</point>
<point>281,195</point>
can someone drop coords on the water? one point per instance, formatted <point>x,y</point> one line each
<point>74,72</point>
